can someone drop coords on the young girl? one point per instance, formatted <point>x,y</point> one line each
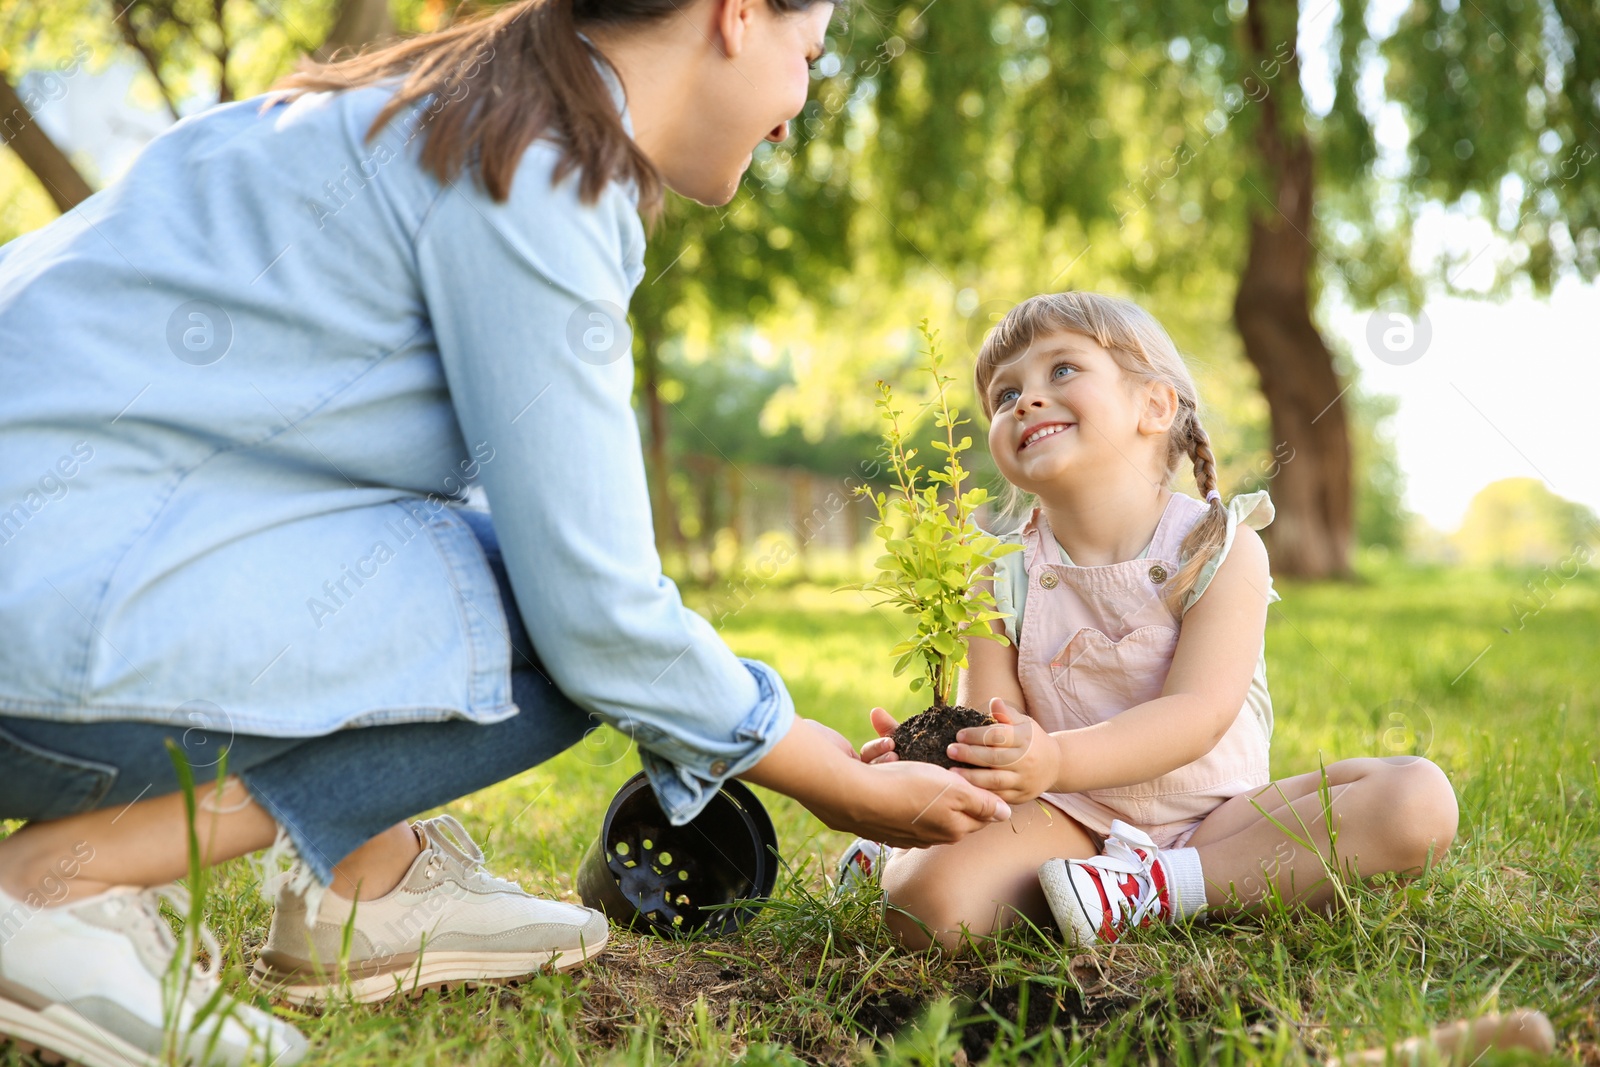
<point>1133,698</point>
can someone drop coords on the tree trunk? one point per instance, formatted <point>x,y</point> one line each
<point>735,494</point>
<point>359,23</point>
<point>1311,488</point>
<point>1311,485</point>
<point>223,53</point>
<point>801,515</point>
<point>21,133</point>
<point>152,62</point>
<point>706,471</point>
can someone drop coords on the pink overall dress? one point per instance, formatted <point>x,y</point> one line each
<point>1096,641</point>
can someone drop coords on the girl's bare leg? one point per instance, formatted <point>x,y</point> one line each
<point>983,882</point>
<point>147,843</point>
<point>1391,814</point>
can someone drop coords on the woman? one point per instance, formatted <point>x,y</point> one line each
<point>249,385</point>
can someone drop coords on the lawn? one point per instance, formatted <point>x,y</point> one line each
<point>1496,685</point>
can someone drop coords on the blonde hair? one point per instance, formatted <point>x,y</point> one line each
<point>1144,351</point>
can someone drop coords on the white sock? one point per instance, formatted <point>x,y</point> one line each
<point>1185,884</point>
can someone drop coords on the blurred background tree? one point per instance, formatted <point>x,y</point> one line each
<point>959,155</point>
<point>193,52</point>
<point>1178,140</point>
<point>1518,522</point>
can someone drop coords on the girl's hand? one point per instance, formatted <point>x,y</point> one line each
<point>1015,760</point>
<point>881,748</point>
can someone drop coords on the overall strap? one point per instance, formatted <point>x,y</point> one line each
<point>1182,514</point>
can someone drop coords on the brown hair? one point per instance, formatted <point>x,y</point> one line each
<point>503,79</point>
<point>1143,350</point>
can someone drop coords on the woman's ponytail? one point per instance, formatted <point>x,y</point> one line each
<point>493,84</point>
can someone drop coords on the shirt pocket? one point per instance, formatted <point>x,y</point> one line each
<point>39,783</point>
<point>1100,677</point>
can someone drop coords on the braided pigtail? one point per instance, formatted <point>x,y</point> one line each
<point>1208,535</point>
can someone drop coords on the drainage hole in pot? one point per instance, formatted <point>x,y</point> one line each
<point>648,844</point>
<point>664,858</point>
<point>622,848</point>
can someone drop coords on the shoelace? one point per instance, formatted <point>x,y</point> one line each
<point>204,979</point>
<point>1120,858</point>
<point>146,907</point>
<point>451,839</point>
<point>298,878</point>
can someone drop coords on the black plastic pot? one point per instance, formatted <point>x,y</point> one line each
<point>643,871</point>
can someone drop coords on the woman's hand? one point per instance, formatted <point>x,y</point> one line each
<point>913,805</point>
<point>1015,760</point>
<point>905,804</point>
<point>833,737</point>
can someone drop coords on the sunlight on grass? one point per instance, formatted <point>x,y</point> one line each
<point>1410,661</point>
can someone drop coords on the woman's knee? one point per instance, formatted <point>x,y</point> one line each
<point>1419,809</point>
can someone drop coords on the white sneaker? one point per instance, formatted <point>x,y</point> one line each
<point>447,921</point>
<point>862,864</point>
<point>1097,898</point>
<point>88,980</point>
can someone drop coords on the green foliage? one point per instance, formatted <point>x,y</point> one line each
<point>24,204</point>
<point>974,149</point>
<point>933,550</point>
<point>720,401</point>
<point>1502,101</point>
<point>193,52</point>
<point>1519,521</point>
<point>178,1034</point>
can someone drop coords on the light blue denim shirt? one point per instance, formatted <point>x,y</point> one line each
<point>242,391</point>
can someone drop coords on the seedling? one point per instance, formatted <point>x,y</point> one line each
<point>934,555</point>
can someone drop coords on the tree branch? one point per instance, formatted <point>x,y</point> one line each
<point>151,62</point>
<point>224,90</point>
<point>23,135</point>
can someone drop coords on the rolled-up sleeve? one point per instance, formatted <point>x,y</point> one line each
<point>526,300</point>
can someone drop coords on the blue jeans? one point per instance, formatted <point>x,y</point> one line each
<point>331,793</point>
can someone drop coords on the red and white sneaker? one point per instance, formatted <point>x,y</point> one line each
<point>1127,885</point>
<point>862,864</point>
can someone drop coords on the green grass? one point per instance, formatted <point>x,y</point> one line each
<point>1433,662</point>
